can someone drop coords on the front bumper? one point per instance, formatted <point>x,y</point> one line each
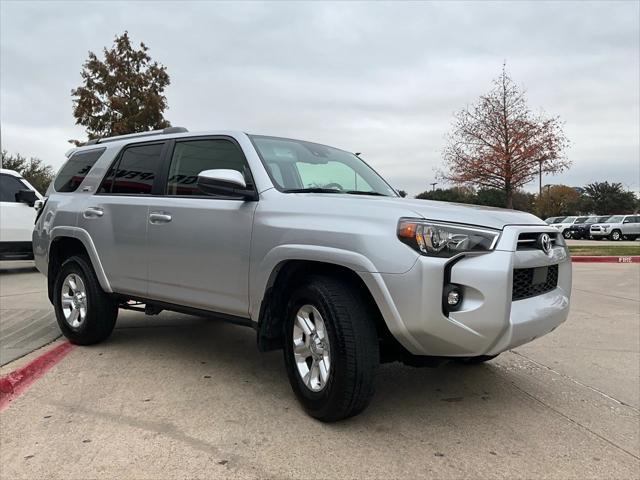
<point>488,321</point>
<point>599,233</point>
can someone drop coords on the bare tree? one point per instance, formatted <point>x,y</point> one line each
<point>499,143</point>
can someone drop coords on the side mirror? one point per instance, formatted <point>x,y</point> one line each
<point>627,220</point>
<point>226,183</point>
<point>27,196</point>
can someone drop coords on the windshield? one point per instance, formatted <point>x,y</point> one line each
<point>615,219</point>
<point>559,219</point>
<point>582,219</point>
<point>592,220</point>
<point>297,166</point>
<point>603,219</point>
<point>569,220</point>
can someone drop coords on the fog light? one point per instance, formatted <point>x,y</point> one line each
<point>453,298</point>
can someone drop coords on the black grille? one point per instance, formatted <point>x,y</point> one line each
<point>529,282</point>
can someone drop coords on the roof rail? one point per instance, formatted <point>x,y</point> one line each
<point>164,131</point>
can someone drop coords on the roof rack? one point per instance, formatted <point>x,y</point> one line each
<point>164,131</point>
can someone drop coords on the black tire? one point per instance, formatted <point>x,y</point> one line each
<point>566,234</point>
<point>475,360</point>
<point>101,310</point>
<point>616,235</point>
<point>354,355</point>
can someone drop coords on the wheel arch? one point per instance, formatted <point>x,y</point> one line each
<point>69,241</point>
<point>288,273</point>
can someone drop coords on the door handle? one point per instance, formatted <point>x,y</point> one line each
<point>159,217</point>
<point>93,212</point>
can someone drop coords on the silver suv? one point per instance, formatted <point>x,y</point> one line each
<point>302,242</point>
<point>617,227</point>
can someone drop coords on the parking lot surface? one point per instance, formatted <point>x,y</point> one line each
<point>174,396</point>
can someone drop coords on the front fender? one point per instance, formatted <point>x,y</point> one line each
<point>261,273</point>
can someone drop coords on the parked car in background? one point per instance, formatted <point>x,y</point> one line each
<point>563,224</point>
<point>617,227</point>
<point>303,242</point>
<point>17,214</point>
<point>580,229</point>
<point>551,220</point>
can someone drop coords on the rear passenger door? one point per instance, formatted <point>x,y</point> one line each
<point>199,245</point>
<point>116,216</point>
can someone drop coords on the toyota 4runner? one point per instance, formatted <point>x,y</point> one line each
<point>304,243</point>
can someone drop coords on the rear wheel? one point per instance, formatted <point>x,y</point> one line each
<point>85,313</point>
<point>331,349</point>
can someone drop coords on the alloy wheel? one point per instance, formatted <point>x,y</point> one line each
<point>311,349</point>
<point>74,300</point>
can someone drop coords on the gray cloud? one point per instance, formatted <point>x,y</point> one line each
<point>381,78</point>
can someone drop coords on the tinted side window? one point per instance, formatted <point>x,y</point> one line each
<point>9,187</point>
<point>192,157</point>
<point>73,172</point>
<point>135,171</point>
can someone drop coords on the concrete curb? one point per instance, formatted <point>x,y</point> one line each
<point>608,259</point>
<point>16,382</point>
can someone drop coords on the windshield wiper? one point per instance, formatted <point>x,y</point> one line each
<point>312,190</point>
<point>360,192</point>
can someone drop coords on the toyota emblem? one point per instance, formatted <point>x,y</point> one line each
<point>544,242</point>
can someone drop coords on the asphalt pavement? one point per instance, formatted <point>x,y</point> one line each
<point>174,396</point>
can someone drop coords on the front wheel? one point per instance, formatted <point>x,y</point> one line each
<point>616,235</point>
<point>85,313</point>
<point>566,234</point>
<point>331,349</point>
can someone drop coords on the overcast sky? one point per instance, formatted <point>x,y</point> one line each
<point>379,78</point>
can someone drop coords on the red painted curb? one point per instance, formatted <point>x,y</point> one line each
<point>619,259</point>
<point>19,380</point>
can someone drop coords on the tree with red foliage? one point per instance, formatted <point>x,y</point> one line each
<point>499,143</point>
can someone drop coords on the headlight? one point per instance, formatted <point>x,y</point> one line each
<point>443,239</point>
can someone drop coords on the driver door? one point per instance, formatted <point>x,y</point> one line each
<point>199,245</point>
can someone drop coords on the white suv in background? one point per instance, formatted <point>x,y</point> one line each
<point>17,216</point>
<point>564,224</point>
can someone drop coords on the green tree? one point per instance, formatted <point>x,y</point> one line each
<point>493,197</point>
<point>605,197</point>
<point>455,194</point>
<point>122,93</point>
<point>33,170</point>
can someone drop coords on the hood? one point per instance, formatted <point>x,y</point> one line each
<point>381,207</point>
<point>480,215</point>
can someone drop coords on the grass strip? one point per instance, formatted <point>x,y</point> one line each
<point>605,250</point>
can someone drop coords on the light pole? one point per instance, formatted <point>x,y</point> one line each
<point>433,186</point>
<point>540,189</point>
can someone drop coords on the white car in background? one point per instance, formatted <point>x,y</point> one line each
<point>564,224</point>
<point>17,216</point>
